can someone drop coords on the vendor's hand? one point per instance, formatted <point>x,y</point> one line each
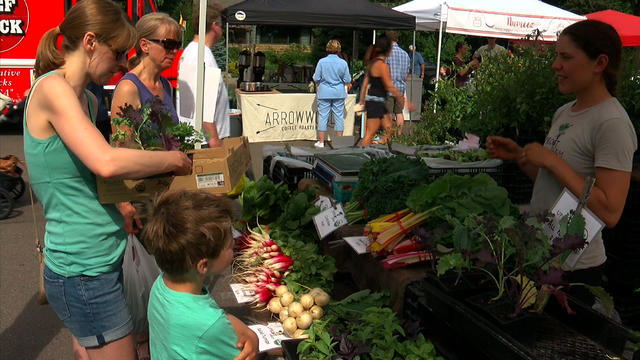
<point>421,76</point>
<point>536,154</point>
<point>214,143</point>
<point>132,222</point>
<point>503,148</point>
<point>183,163</point>
<point>474,63</point>
<point>248,342</point>
<point>348,87</point>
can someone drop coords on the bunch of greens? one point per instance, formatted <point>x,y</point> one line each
<point>151,127</point>
<point>384,184</point>
<point>458,197</point>
<point>310,269</point>
<point>362,327</point>
<point>266,203</point>
<point>263,201</point>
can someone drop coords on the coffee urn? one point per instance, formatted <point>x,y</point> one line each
<point>259,62</point>
<point>244,63</point>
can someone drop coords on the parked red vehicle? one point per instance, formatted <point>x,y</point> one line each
<point>22,24</point>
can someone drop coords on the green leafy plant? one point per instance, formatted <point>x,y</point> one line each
<point>152,128</point>
<point>361,326</point>
<point>515,97</point>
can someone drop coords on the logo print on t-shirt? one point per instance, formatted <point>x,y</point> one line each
<point>553,142</point>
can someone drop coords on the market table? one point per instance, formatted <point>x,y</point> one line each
<point>460,330</point>
<point>275,116</point>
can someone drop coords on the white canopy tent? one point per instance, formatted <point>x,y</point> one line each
<point>507,19</point>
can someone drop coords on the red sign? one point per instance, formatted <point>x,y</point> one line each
<point>14,22</point>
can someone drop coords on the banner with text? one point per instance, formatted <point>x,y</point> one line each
<point>284,117</point>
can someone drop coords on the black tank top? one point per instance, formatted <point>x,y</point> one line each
<point>377,87</point>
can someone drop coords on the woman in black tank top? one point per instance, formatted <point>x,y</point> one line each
<point>379,78</point>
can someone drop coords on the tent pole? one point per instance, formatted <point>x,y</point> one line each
<point>413,72</point>
<point>200,69</point>
<point>374,36</point>
<point>439,54</point>
<point>227,46</point>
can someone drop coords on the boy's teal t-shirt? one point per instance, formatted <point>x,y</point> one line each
<point>188,326</point>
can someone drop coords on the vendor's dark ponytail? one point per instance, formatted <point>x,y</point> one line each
<point>596,38</point>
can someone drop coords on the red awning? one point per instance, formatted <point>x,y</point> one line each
<point>628,26</point>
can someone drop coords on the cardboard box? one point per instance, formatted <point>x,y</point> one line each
<point>215,170</point>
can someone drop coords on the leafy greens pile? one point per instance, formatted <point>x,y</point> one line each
<point>384,184</point>
<point>361,326</point>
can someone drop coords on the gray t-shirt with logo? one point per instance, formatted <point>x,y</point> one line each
<point>600,136</point>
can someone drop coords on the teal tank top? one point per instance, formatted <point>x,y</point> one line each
<point>82,236</point>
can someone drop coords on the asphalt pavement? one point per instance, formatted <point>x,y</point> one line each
<point>28,331</point>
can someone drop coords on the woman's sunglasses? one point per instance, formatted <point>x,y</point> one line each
<point>167,44</point>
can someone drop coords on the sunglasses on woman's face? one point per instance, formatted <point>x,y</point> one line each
<point>167,44</point>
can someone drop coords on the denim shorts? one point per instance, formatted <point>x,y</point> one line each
<point>92,307</point>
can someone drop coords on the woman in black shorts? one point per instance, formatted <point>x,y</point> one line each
<point>379,77</point>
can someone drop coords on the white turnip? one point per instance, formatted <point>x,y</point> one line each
<point>275,306</point>
<point>289,326</point>
<point>295,309</point>
<point>280,290</point>
<point>286,299</point>
<point>316,312</point>
<point>304,320</point>
<point>307,301</point>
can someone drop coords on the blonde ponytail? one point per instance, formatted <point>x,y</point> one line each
<point>48,57</point>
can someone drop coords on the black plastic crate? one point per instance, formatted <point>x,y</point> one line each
<point>285,174</point>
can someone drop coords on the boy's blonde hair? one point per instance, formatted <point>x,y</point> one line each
<point>187,226</point>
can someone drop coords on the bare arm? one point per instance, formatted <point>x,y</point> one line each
<point>363,91</point>
<point>247,339</point>
<point>609,193</point>
<point>56,108</point>
<point>212,130</point>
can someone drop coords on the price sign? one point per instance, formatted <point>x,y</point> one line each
<point>241,293</point>
<point>323,203</point>
<point>329,220</point>
<point>358,243</point>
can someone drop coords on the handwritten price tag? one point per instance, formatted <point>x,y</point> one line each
<point>323,203</point>
<point>358,243</point>
<point>329,220</point>
<point>241,293</point>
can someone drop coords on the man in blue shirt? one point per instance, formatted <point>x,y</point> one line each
<point>418,64</point>
<point>399,64</point>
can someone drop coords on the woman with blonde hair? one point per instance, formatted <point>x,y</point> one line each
<point>84,240</point>
<point>331,75</point>
<point>157,43</point>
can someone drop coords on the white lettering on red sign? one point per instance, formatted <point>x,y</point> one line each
<point>14,23</point>
<point>6,6</point>
<point>11,27</point>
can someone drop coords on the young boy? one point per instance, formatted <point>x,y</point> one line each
<point>189,233</point>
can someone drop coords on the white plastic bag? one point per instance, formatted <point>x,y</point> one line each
<point>140,271</point>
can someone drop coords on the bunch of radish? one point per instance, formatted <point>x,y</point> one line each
<point>261,266</point>
<point>297,315</point>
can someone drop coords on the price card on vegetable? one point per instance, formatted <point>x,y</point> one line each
<point>323,203</point>
<point>242,294</point>
<point>329,220</point>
